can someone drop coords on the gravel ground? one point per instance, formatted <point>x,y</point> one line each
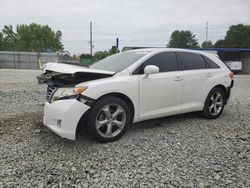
<point>180,151</point>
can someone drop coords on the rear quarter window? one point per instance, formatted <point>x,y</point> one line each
<point>192,61</point>
<point>210,63</point>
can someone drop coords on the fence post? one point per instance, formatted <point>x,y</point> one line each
<point>18,59</point>
<point>38,59</point>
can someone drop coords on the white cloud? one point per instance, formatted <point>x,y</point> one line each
<point>141,22</point>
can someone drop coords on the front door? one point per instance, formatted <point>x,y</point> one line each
<point>161,94</point>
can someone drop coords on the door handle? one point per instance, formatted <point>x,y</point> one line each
<point>209,74</point>
<point>178,78</point>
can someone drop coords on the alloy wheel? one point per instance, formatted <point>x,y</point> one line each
<point>110,120</point>
<point>216,103</point>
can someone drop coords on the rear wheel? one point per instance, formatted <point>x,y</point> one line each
<point>108,119</point>
<point>214,104</point>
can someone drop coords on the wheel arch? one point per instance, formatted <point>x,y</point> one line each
<point>125,98</point>
<point>224,89</point>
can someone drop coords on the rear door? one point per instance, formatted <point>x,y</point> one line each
<point>195,75</point>
<point>161,94</point>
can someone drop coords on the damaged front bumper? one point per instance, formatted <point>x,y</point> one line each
<point>62,116</point>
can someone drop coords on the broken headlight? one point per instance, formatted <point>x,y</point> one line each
<point>67,93</point>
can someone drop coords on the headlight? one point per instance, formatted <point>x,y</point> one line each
<point>63,92</point>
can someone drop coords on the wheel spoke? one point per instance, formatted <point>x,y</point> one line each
<point>106,110</point>
<point>119,124</point>
<point>215,109</point>
<point>218,103</point>
<point>100,124</point>
<point>212,98</point>
<point>217,96</point>
<point>109,130</point>
<point>211,107</point>
<point>118,111</point>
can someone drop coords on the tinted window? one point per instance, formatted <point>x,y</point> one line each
<point>192,61</point>
<point>165,61</point>
<point>210,63</point>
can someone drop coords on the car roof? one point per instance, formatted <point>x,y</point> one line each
<point>162,49</point>
<point>170,50</point>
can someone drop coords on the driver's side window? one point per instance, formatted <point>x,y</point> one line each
<point>166,61</point>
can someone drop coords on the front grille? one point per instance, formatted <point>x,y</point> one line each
<point>50,92</point>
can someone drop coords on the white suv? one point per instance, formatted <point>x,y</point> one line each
<point>133,86</point>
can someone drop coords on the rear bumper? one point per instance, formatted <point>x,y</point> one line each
<point>62,116</point>
<point>228,93</point>
<point>232,84</point>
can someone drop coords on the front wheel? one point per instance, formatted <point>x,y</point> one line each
<point>214,103</point>
<point>108,119</point>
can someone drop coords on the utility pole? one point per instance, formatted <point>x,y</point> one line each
<point>90,42</point>
<point>206,31</point>
<point>117,45</point>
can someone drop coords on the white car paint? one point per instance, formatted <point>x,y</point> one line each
<point>69,69</point>
<point>153,96</point>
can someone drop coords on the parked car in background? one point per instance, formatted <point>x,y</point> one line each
<point>133,86</point>
<point>234,66</point>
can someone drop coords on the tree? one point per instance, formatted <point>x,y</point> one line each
<point>219,44</point>
<point>33,37</point>
<point>102,54</point>
<point>9,38</point>
<point>207,44</point>
<point>182,39</point>
<point>238,36</point>
<point>2,46</point>
<point>113,50</point>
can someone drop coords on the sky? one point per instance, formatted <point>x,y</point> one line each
<point>134,22</point>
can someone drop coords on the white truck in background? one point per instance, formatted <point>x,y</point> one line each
<point>234,66</point>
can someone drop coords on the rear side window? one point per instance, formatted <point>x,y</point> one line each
<point>191,61</point>
<point>166,62</point>
<point>210,63</point>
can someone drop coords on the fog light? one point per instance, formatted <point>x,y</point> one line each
<point>59,123</point>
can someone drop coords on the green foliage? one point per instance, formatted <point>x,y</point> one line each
<point>10,38</point>
<point>219,44</point>
<point>182,39</point>
<point>113,50</point>
<point>207,44</point>
<point>102,54</point>
<point>33,37</point>
<point>238,36</point>
<point>1,42</point>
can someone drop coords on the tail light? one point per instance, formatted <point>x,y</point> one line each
<point>231,75</point>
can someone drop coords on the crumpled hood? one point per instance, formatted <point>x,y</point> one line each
<point>65,75</point>
<point>70,69</point>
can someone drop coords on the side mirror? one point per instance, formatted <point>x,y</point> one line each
<point>151,69</point>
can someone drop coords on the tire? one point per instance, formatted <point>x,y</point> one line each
<point>108,119</point>
<point>214,107</point>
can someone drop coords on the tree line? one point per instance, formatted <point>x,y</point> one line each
<point>32,37</point>
<point>237,36</point>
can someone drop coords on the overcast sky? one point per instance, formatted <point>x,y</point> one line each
<point>135,22</point>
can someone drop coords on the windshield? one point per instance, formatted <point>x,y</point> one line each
<point>118,62</point>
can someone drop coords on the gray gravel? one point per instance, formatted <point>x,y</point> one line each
<point>180,151</point>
